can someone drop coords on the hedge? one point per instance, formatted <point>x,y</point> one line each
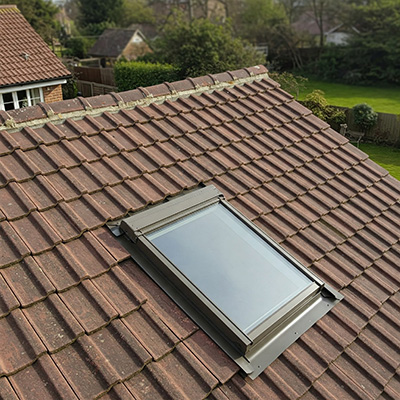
<point>133,74</point>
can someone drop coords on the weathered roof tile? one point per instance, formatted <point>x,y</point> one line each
<point>54,323</point>
<point>19,344</point>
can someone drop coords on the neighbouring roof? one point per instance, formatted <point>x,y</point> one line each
<point>112,42</point>
<point>79,319</point>
<point>24,56</point>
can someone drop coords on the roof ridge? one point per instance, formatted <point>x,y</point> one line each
<point>112,102</point>
<point>11,7</point>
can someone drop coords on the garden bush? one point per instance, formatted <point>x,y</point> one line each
<point>364,116</point>
<point>131,75</point>
<point>317,103</point>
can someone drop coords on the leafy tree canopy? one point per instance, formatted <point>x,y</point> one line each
<point>40,14</point>
<point>201,47</point>
<point>99,11</point>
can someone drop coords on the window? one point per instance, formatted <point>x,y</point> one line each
<point>20,98</point>
<point>242,288</point>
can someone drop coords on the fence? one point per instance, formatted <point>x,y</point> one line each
<point>387,129</point>
<point>89,89</point>
<point>104,76</point>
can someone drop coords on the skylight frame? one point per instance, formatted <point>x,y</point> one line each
<point>255,350</point>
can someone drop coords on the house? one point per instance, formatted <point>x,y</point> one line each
<point>29,71</point>
<point>336,33</point>
<point>80,319</point>
<point>116,43</point>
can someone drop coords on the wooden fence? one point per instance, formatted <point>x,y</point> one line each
<point>386,131</point>
<point>104,76</point>
<point>89,89</point>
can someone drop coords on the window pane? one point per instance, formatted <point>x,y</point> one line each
<point>8,101</point>
<point>240,273</point>
<point>22,98</point>
<point>35,96</point>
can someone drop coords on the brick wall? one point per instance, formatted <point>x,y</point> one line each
<point>52,94</point>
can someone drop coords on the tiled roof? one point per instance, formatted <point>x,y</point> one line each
<point>112,42</point>
<point>24,56</point>
<point>78,318</point>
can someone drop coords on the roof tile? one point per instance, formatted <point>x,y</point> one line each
<point>20,38</point>
<point>211,356</point>
<point>41,192</point>
<point>27,281</point>
<point>89,306</point>
<point>15,202</point>
<point>6,390</point>
<point>64,221</point>
<point>178,322</point>
<point>86,369</point>
<point>8,301</point>
<point>36,233</point>
<point>42,380</point>
<point>67,185</point>
<point>155,336</point>
<point>179,374</point>
<point>19,344</point>
<point>54,323</point>
<point>62,267</point>
<point>120,290</point>
<point>12,248</point>
<point>121,349</point>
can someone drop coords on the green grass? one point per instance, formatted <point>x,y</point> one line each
<point>387,157</point>
<point>382,99</point>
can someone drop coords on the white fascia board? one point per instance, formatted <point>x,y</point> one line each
<point>32,86</point>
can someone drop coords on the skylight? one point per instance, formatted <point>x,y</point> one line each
<point>242,288</point>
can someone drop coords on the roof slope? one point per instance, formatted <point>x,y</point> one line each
<point>79,319</point>
<point>24,56</point>
<point>112,42</point>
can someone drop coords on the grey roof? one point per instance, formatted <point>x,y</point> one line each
<point>111,42</point>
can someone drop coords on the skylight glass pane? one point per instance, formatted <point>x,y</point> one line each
<point>237,270</point>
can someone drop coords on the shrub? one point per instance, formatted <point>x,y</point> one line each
<point>364,116</point>
<point>289,82</point>
<point>317,103</point>
<point>130,75</point>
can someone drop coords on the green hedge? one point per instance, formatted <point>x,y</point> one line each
<point>133,74</point>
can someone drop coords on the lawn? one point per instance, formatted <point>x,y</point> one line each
<point>387,157</point>
<point>382,99</point>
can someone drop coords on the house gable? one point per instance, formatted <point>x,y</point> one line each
<point>79,318</point>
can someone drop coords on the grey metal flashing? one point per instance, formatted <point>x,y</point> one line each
<point>252,351</point>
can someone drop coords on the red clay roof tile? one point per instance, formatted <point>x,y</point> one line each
<point>297,179</point>
<point>155,336</point>
<point>42,380</point>
<point>20,345</point>
<point>24,56</point>
<point>54,323</point>
<point>88,306</point>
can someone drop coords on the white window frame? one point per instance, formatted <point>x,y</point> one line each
<point>15,97</point>
<point>16,89</point>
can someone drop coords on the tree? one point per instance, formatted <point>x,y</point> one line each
<point>99,11</point>
<point>265,22</point>
<point>136,12</point>
<point>373,53</point>
<point>200,47</point>
<point>40,14</point>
